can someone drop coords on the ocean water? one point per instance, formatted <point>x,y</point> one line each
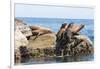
<point>55,23</point>
<point>51,60</point>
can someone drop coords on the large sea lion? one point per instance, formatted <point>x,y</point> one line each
<point>84,38</point>
<point>38,30</point>
<point>75,28</point>
<point>62,29</point>
<point>87,44</point>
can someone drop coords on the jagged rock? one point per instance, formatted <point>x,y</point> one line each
<point>17,56</point>
<point>24,28</point>
<point>20,39</point>
<point>25,44</point>
<point>44,37</point>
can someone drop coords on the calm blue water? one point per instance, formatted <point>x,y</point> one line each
<point>55,23</point>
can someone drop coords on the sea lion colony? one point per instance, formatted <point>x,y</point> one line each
<point>69,42</point>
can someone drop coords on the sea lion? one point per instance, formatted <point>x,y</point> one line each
<point>38,30</point>
<point>87,44</point>
<point>62,29</point>
<point>75,28</point>
<point>33,27</point>
<point>84,38</point>
<point>65,34</point>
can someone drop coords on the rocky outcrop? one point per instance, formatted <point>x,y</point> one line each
<point>20,39</point>
<point>23,27</point>
<point>41,37</point>
<point>29,40</point>
<point>22,31</point>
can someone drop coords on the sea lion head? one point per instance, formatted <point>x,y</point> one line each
<point>64,25</point>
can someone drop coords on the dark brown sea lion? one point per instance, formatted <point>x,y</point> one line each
<point>62,29</point>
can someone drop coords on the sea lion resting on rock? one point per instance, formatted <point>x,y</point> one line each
<point>71,27</point>
<point>38,30</point>
<point>76,28</point>
<point>84,38</point>
<point>87,43</point>
<point>61,31</point>
<point>34,27</point>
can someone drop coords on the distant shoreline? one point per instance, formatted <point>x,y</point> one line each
<point>52,18</point>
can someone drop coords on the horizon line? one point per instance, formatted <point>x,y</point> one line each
<point>54,18</point>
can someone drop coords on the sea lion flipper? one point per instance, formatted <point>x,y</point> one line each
<point>36,36</point>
